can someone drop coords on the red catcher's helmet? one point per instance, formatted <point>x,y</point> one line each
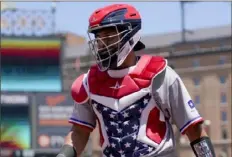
<point>124,22</point>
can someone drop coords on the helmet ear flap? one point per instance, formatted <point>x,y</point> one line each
<point>133,30</point>
<point>126,21</point>
<point>139,46</point>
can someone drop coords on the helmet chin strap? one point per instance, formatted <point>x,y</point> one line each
<point>127,48</point>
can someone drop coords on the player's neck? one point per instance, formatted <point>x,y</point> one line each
<point>131,60</point>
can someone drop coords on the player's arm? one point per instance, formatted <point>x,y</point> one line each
<point>82,118</point>
<point>186,117</point>
<point>75,142</point>
<point>195,132</point>
<point>198,138</point>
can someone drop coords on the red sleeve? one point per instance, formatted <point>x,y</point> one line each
<point>78,91</point>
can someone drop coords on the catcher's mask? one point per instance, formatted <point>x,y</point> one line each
<point>113,34</point>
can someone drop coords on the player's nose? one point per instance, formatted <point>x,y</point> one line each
<point>101,44</point>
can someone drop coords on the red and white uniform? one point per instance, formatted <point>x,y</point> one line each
<point>134,108</point>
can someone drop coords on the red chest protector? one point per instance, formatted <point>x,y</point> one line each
<point>100,83</point>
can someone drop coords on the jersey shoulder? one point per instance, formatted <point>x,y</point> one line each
<point>171,76</point>
<point>165,77</point>
<point>79,89</point>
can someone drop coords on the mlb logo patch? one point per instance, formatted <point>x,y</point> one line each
<point>191,104</point>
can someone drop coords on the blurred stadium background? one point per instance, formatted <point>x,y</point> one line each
<point>38,67</point>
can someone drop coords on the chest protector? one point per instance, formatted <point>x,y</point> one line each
<point>120,124</point>
<point>100,83</point>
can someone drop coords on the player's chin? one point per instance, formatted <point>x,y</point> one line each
<point>108,65</point>
<point>110,62</point>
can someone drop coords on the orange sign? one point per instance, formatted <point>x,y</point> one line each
<point>54,122</point>
<point>54,109</point>
<point>54,100</point>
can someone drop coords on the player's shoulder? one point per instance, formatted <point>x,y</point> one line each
<point>158,65</point>
<point>154,63</point>
<point>149,66</point>
<point>171,75</point>
<point>79,88</point>
<point>151,58</point>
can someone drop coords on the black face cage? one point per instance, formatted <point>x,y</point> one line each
<point>126,30</point>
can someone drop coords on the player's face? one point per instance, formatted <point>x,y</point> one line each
<point>107,39</point>
<point>105,45</point>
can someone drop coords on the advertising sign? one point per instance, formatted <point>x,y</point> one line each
<point>15,122</point>
<point>14,99</point>
<point>53,112</point>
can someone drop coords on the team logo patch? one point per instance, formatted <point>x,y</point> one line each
<point>117,86</point>
<point>191,104</point>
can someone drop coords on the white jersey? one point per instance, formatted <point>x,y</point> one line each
<point>134,112</point>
